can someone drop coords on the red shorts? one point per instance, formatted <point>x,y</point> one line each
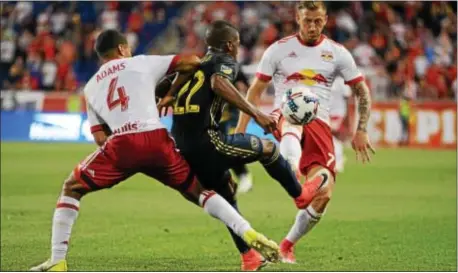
<point>152,153</point>
<point>316,142</point>
<point>317,147</point>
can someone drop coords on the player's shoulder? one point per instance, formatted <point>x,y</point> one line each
<point>284,43</point>
<point>217,58</point>
<point>331,45</point>
<point>282,47</point>
<point>138,60</point>
<point>217,61</point>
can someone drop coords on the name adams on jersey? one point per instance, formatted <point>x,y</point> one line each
<point>197,108</point>
<point>121,95</point>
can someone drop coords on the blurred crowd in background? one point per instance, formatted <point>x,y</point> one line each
<point>405,49</point>
<point>49,45</point>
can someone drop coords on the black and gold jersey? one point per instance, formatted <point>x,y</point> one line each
<point>197,108</point>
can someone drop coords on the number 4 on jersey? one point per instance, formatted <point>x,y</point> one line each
<point>122,99</point>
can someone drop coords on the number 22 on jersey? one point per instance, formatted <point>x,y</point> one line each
<point>122,100</point>
<point>187,92</point>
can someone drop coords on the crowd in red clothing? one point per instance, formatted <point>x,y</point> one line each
<point>49,45</point>
<point>404,48</point>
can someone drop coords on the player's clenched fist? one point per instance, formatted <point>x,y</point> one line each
<point>361,144</point>
<point>267,122</point>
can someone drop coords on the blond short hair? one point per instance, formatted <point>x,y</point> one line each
<point>311,5</point>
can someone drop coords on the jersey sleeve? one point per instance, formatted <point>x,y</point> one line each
<point>267,66</point>
<point>96,122</point>
<point>348,69</point>
<point>341,88</point>
<point>226,69</point>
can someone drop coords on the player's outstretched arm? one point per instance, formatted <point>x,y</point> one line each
<point>187,63</point>
<point>253,96</point>
<point>225,89</point>
<point>361,143</point>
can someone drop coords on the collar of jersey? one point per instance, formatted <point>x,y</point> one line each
<point>110,60</point>
<point>321,39</point>
<point>212,50</point>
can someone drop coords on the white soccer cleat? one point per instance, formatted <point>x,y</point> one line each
<point>245,184</point>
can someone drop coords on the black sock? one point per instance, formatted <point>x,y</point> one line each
<point>239,242</point>
<point>240,170</point>
<point>279,169</point>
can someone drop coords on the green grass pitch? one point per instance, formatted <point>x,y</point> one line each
<point>398,214</point>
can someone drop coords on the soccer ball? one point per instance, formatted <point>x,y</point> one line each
<point>299,105</point>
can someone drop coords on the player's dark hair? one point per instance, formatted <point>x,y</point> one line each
<point>219,33</point>
<point>311,5</point>
<point>109,40</point>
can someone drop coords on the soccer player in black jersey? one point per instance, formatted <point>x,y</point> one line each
<point>228,123</point>
<point>198,101</point>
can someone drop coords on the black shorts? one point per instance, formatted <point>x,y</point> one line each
<point>211,159</point>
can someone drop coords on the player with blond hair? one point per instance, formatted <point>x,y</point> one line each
<point>311,59</point>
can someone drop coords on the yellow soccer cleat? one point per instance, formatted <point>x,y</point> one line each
<point>47,266</point>
<point>267,248</point>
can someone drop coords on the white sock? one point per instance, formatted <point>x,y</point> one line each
<point>291,150</point>
<point>64,217</point>
<point>218,207</point>
<point>306,219</point>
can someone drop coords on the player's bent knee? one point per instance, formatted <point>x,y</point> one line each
<point>269,149</point>
<point>323,196</point>
<point>73,188</point>
<point>328,177</point>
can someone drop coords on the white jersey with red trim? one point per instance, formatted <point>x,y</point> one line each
<point>339,95</point>
<point>290,62</point>
<point>121,95</point>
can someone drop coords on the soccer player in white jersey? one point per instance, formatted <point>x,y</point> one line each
<point>310,58</point>
<point>340,119</point>
<point>125,124</point>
